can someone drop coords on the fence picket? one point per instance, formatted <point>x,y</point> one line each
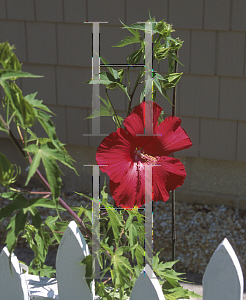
<point>70,275</point>
<point>147,286</point>
<point>223,277</point>
<point>12,287</point>
<point>222,280</point>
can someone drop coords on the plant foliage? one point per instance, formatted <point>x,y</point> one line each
<point>122,232</point>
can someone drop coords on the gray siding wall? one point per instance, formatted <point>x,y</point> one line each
<point>52,40</point>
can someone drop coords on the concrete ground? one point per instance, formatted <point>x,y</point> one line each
<point>198,289</point>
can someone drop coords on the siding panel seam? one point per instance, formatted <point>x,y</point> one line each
<point>6,9</point>
<point>236,140</point>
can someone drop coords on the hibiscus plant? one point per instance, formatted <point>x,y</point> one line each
<point>124,152</point>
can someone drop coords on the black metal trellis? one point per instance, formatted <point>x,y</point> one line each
<point>173,114</point>
<point>173,192</point>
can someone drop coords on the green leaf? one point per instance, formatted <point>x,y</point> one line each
<point>43,202</point>
<point>19,202</point>
<point>171,275</point>
<point>128,40</point>
<point>49,127</point>
<point>142,95</point>
<point>105,111</point>
<point>107,79</point>
<point>135,57</point>
<point>193,294</point>
<point>84,195</point>
<point>46,271</point>
<point>12,74</point>
<point>139,253</point>
<point>11,195</point>
<point>7,210</point>
<point>111,70</point>
<point>28,235</point>
<point>160,52</point>
<point>88,213</point>
<point>48,154</point>
<point>173,78</point>
<point>15,226</point>
<point>37,103</point>
<point>35,162</point>
<point>3,127</point>
<point>36,218</point>
<point>104,194</point>
<point>132,228</point>
<point>176,293</point>
<point>107,248</point>
<point>62,156</point>
<point>62,226</point>
<point>51,223</point>
<point>169,264</point>
<point>129,221</point>
<point>7,58</point>
<point>101,291</point>
<point>24,111</point>
<point>121,267</point>
<point>139,26</point>
<point>114,222</point>
<point>161,117</point>
<point>164,29</point>
<point>133,31</point>
<point>8,173</point>
<point>42,243</point>
<point>87,261</point>
<point>53,174</point>
<point>32,135</point>
<point>157,81</point>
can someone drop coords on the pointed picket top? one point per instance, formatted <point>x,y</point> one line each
<point>12,287</point>
<point>223,277</point>
<point>70,275</point>
<point>147,286</point>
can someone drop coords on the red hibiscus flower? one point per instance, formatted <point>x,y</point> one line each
<point>126,154</point>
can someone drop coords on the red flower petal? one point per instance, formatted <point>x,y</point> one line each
<point>134,123</point>
<point>121,151</point>
<point>130,191</point>
<point>173,138</point>
<point>170,175</point>
<point>114,151</point>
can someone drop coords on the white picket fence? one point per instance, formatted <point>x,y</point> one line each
<point>223,278</point>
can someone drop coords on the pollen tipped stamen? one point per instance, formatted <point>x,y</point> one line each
<point>148,158</point>
<point>140,155</point>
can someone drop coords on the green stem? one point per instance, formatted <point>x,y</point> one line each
<point>128,79</point>
<point>134,89</point>
<point>7,116</point>
<point>11,118</point>
<point>25,138</point>
<point>30,192</point>
<point>85,230</point>
<point>115,114</point>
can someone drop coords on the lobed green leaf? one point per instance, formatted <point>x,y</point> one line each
<point>128,40</point>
